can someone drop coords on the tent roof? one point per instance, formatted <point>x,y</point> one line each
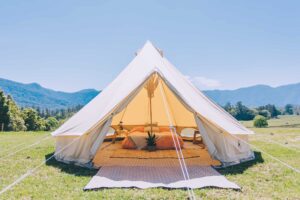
<point>148,61</point>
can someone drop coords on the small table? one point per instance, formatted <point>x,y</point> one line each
<point>195,137</point>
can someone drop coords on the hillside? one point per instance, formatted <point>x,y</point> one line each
<point>35,95</point>
<point>258,95</point>
<point>28,95</point>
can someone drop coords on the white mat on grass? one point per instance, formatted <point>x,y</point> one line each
<point>149,177</point>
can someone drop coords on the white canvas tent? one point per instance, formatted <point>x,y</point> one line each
<point>126,99</point>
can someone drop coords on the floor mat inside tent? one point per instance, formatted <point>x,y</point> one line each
<point>162,176</point>
<point>113,155</point>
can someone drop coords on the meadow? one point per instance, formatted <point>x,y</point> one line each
<point>263,178</point>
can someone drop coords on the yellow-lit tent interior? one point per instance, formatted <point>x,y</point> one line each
<point>137,112</point>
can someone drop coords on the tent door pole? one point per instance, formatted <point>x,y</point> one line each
<point>150,114</point>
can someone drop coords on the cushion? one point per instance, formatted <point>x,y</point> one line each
<point>128,144</point>
<point>166,142</point>
<point>164,129</point>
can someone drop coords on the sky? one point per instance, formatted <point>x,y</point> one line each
<point>74,45</point>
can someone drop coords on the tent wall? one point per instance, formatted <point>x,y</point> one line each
<point>77,149</point>
<point>226,148</point>
<point>206,138</point>
<point>101,135</point>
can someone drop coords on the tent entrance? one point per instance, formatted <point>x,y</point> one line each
<point>156,106</point>
<point>147,107</point>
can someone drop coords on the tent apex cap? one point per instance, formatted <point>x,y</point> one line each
<point>149,45</point>
<point>148,42</point>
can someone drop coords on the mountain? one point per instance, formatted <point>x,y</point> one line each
<point>33,94</point>
<point>258,95</point>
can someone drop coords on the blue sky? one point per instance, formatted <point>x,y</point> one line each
<point>73,45</point>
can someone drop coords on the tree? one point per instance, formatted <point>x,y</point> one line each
<point>297,109</point>
<point>12,118</point>
<point>230,109</point>
<point>265,113</point>
<point>16,121</point>
<point>4,112</point>
<point>47,113</point>
<point>63,113</point>
<point>51,123</point>
<point>228,106</point>
<point>274,112</point>
<point>243,113</point>
<point>260,122</point>
<point>288,109</point>
<point>33,122</point>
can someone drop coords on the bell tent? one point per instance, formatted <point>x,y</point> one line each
<point>150,90</point>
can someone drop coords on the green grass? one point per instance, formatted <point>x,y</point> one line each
<point>263,178</point>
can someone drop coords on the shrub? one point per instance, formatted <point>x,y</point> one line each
<point>51,123</point>
<point>265,113</point>
<point>260,122</point>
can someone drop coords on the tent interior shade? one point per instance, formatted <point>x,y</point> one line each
<point>137,112</point>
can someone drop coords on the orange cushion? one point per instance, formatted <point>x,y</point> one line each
<point>128,144</point>
<point>166,142</point>
<point>164,129</point>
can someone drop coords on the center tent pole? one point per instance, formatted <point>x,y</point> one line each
<point>150,98</point>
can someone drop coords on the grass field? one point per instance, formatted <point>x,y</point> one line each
<point>263,178</point>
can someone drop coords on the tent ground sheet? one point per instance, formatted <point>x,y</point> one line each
<point>121,168</point>
<point>160,176</point>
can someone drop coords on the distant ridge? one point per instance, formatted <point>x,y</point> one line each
<point>258,95</point>
<point>33,94</point>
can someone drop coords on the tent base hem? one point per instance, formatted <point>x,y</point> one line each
<point>87,164</point>
<point>228,164</point>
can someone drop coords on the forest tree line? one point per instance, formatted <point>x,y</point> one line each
<point>244,113</point>
<point>14,118</point>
